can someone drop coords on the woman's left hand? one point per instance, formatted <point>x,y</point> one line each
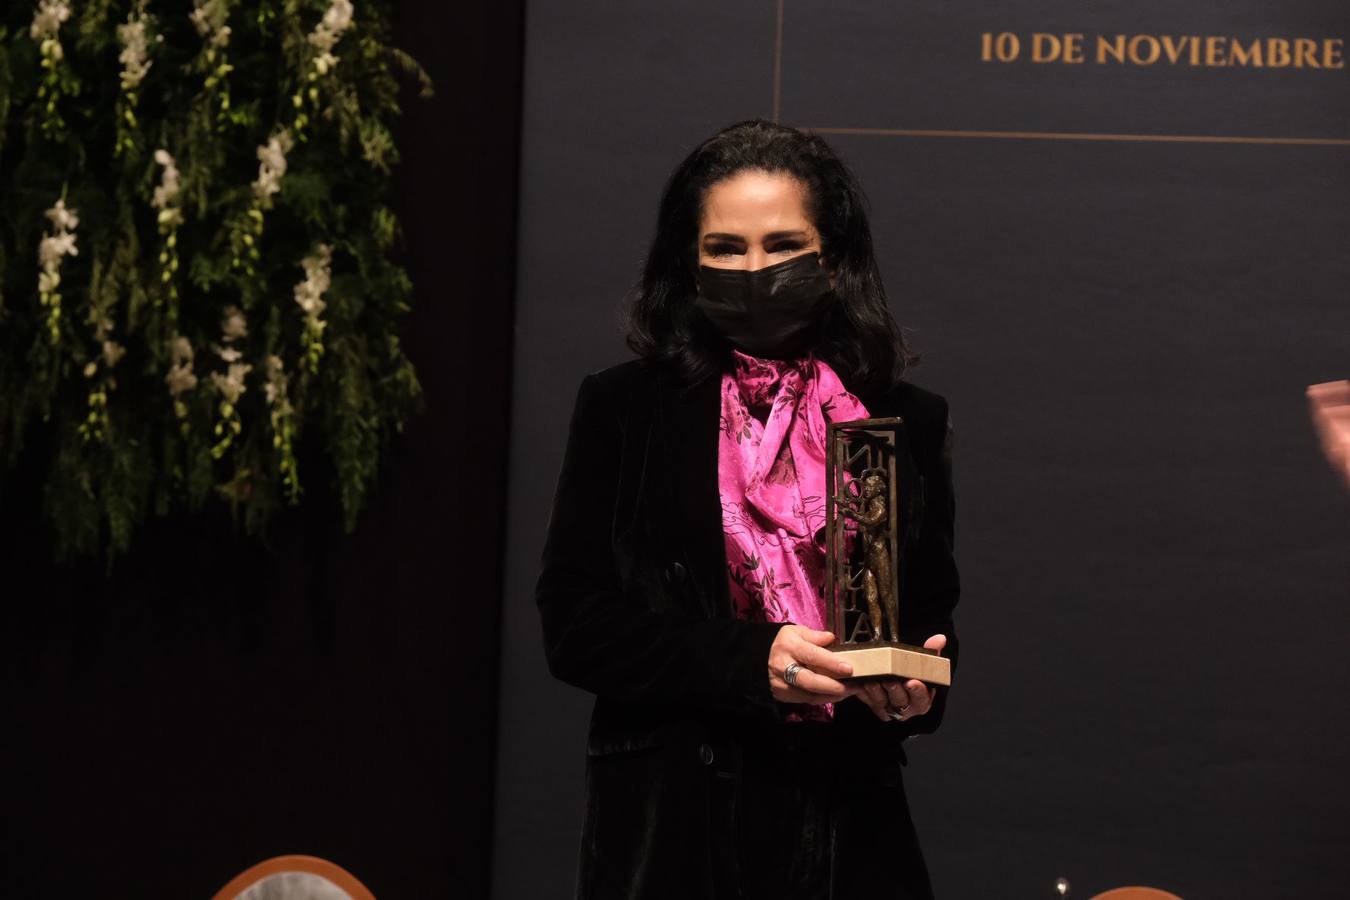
<point>893,700</point>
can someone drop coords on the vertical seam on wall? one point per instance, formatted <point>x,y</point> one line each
<point>778,62</point>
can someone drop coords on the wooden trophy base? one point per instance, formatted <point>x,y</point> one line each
<point>899,661</point>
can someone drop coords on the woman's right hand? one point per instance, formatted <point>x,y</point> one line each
<point>806,646</point>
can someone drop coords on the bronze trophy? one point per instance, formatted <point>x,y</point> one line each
<point>864,550</point>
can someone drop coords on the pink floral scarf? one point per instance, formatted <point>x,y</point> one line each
<point>771,478</point>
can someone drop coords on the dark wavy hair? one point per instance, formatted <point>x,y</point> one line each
<point>858,337</point>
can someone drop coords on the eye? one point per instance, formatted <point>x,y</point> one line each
<point>717,250</point>
<point>787,247</point>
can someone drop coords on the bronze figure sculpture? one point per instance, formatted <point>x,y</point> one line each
<point>865,462</point>
<point>869,510</point>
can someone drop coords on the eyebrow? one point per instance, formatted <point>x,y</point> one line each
<point>773,235</point>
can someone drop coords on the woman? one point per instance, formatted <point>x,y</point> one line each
<point>681,579</point>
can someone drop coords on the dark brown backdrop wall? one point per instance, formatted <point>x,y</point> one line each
<point>1154,553</point>
<point>213,705</point>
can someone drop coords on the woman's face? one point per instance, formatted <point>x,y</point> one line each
<point>754,219</point>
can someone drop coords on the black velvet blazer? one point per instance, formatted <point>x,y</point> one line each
<point>636,609</point>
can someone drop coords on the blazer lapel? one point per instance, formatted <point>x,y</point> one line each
<point>690,423</point>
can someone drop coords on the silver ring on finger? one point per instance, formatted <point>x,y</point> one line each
<point>791,672</point>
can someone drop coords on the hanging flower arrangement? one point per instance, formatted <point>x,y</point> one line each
<point>195,270</point>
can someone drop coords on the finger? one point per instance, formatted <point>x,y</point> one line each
<point>1331,419</point>
<point>821,660</point>
<point>799,694</point>
<point>862,692</point>
<point>1333,392</point>
<point>899,695</point>
<point>875,697</point>
<point>937,642</point>
<point>796,696</point>
<point>787,694</point>
<point>819,638</point>
<point>815,683</point>
<point>921,697</point>
<point>804,679</point>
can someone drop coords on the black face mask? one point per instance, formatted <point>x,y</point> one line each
<point>771,312</point>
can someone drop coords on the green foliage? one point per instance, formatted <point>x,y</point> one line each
<point>215,283</point>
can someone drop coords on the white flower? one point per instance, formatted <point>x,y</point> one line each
<point>47,20</point>
<point>64,219</point>
<point>272,164</point>
<point>181,351</point>
<point>56,245</point>
<point>180,379</point>
<point>337,19</point>
<point>112,352</point>
<point>135,57</point>
<point>231,384</point>
<point>318,276</point>
<point>275,389</point>
<point>209,18</point>
<point>169,182</point>
<point>233,325</point>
